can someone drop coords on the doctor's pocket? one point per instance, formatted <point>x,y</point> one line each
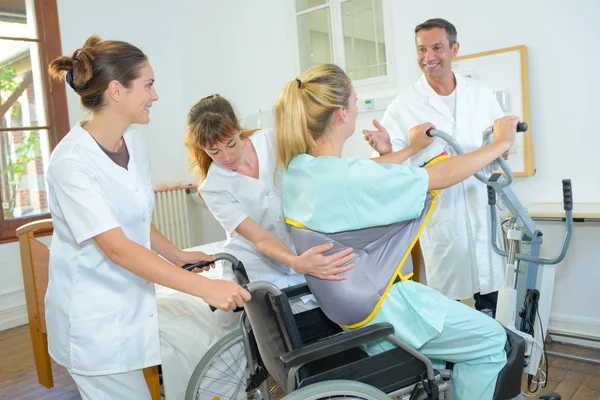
<point>441,233</point>
<point>96,344</point>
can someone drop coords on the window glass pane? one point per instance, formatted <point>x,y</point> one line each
<point>302,5</point>
<point>364,40</point>
<point>24,161</point>
<point>21,91</point>
<point>314,38</point>
<point>17,19</point>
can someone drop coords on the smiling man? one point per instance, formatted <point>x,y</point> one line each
<point>459,258</point>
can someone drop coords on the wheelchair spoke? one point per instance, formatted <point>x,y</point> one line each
<point>223,374</point>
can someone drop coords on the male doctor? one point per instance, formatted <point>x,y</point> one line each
<point>459,259</point>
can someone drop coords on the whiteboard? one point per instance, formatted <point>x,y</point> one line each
<point>504,71</point>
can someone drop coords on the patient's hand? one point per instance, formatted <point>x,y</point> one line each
<point>419,138</point>
<point>378,139</point>
<point>313,262</point>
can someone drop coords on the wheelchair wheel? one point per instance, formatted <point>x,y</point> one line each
<point>348,390</point>
<point>223,372</point>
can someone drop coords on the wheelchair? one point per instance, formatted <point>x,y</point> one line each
<point>278,355</point>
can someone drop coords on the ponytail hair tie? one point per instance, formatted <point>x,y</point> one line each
<point>69,79</point>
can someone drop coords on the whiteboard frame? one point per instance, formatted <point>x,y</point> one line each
<point>529,169</point>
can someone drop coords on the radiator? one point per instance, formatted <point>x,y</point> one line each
<point>170,215</point>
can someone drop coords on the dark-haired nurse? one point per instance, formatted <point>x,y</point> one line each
<point>100,305</point>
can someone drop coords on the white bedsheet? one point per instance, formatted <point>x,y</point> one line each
<point>187,330</point>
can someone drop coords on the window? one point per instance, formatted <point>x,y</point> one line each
<point>33,109</point>
<point>349,33</point>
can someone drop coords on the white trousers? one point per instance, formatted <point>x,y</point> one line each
<point>124,386</point>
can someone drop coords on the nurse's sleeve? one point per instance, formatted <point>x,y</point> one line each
<point>227,210</point>
<point>84,206</point>
<point>391,121</point>
<point>385,193</point>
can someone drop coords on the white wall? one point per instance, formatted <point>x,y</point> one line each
<point>155,29</point>
<point>245,51</point>
<point>241,50</point>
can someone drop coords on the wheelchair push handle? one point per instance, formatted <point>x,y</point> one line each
<point>237,309</point>
<point>238,270</point>
<point>218,256</point>
<point>201,264</point>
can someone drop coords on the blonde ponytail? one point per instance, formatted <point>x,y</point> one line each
<point>291,128</point>
<point>304,109</point>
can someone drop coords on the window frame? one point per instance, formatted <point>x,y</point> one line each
<point>362,86</point>
<point>55,97</point>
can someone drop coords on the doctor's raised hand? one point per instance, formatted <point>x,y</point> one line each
<point>378,139</point>
<point>101,311</point>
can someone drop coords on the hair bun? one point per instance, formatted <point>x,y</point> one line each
<point>83,68</point>
<point>83,64</point>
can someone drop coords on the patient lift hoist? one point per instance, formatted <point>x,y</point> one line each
<point>521,229</point>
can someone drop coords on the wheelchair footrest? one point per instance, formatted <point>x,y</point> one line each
<point>388,371</point>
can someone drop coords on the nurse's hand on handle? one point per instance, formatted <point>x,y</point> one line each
<point>149,266</point>
<point>314,262</point>
<point>224,295</point>
<point>378,139</point>
<point>194,257</point>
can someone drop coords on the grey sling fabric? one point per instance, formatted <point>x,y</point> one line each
<point>382,256</point>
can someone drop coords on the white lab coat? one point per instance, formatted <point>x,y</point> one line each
<point>458,255</point>
<point>101,318</point>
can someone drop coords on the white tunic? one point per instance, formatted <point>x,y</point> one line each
<point>232,197</point>
<point>101,318</point>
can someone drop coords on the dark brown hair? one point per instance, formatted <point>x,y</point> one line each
<point>211,120</point>
<point>450,29</point>
<point>92,67</point>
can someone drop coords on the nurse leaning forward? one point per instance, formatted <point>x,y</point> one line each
<point>100,304</point>
<point>238,184</point>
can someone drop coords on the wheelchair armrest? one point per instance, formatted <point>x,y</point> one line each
<point>335,344</point>
<point>301,289</point>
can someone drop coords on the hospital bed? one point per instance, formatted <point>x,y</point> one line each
<point>178,315</point>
